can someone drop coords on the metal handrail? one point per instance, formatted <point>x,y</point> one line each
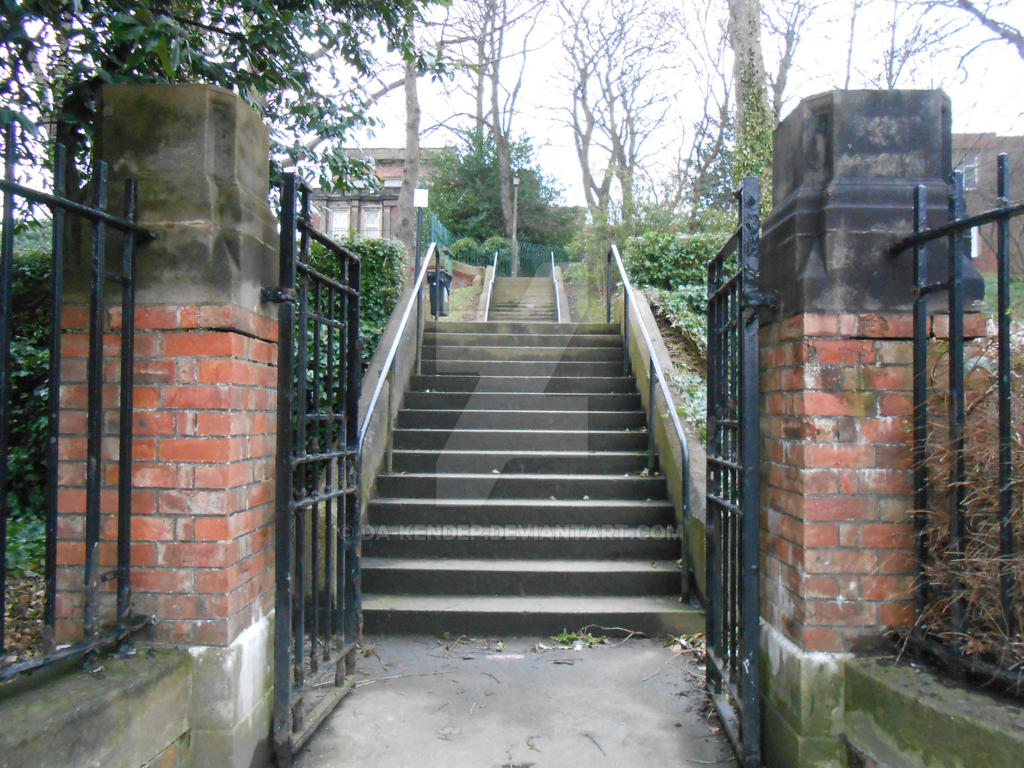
<point>654,372</point>
<point>385,372</point>
<point>554,287</point>
<point>490,287</point>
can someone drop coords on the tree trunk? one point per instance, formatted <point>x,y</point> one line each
<point>405,230</point>
<point>748,60</point>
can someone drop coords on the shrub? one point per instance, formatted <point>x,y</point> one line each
<point>503,247</point>
<point>970,580</point>
<point>468,251</point>
<point>670,260</point>
<point>30,360</point>
<point>381,279</point>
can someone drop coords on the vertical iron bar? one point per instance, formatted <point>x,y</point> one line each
<point>714,593</point>
<point>957,470</point>
<point>920,373</point>
<point>311,409</point>
<point>608,286</point>
<point>419,293</point>
<point>125,430</point>
<point>750,460</point>
<point>353,596</point>
<point>53,399</point>
<point>333,446</point>
<point>284,531</point>
<point>436,289</point>
<point>651,448</point>
<point>1006,533</point>
<point>94,417</point>
<point>627,368</point>
<point>6,259</point>
<point>344,466</point>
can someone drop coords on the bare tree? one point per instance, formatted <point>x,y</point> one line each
<point>785,21</point>
<point>992,15</point>
<point>616,53</point>
<point>484,30</point>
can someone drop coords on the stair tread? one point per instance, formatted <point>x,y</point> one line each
<point>515,565</point>
<point>431,501</point>
<point>527,531</point>
<point>518,453</point>
<point>528,603</point>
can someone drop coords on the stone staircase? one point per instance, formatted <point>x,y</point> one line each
<point>523,299</point>
<point>518,501</point>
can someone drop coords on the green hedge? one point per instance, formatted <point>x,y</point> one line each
<point>381,279</point>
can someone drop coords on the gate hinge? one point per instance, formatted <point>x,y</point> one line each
<point>278,295</point>
<point>757,300</point>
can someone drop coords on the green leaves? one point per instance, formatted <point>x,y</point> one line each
<point>381,279</point>
<point>298,63</point>
<point>466,196</point>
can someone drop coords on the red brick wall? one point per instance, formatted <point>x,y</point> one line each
<point>204,426</point>
<point>836,533</point>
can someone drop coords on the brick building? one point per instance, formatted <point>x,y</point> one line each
<point>370,212</point>
<point>975,155</point>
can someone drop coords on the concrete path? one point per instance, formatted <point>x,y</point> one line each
<point>520,703</point>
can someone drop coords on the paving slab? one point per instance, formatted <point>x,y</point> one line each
<point>520,703</point>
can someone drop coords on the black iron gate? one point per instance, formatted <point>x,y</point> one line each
<point>319,372</point>
<point>733,490</point>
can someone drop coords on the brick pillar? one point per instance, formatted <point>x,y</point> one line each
<point>838,559</point>
<point>205,395</point>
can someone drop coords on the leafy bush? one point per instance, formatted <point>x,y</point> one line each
<point>503,247</point>
<point>30,360</point>
<point>468,251</point>
<point>669,261</point>
<point>26,543</point>
<point>381,279</point>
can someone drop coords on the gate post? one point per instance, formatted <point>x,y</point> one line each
<point>837,540</point>
<point>205,393</point>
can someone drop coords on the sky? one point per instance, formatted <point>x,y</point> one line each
<point>985,91</point>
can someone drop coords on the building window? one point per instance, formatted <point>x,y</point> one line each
<point>339,223</point>
<point>969,168</point>
<point>371,222</point>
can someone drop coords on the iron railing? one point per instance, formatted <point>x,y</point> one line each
<point>490,287</point>
<point>733,490</point>
<point>115,269</point>
<point>388,368</point>
<point>956,486</point>
<point>317,478</point>
<point>554,290</point>
<point>656,380</point>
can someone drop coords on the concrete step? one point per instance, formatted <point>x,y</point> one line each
<point>519,440</point>
<point>547,616</point>
<point>573,421</point>
<point>561,340</point>
<point>431,576</point>
<point>523,401</point>
<point>519,462</point>
<point>550,368</point>
<point>569,329</point>
<point>517,541</point>
<point>567,354</point>
<point>519,486</point>
<point>584,384</point>
<point>413,511</point>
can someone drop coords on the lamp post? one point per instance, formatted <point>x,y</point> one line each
<point>420,200</point>
<point>515,225</point>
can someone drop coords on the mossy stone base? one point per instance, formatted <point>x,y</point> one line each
<point>803,704</point>
<point>904,717</point>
